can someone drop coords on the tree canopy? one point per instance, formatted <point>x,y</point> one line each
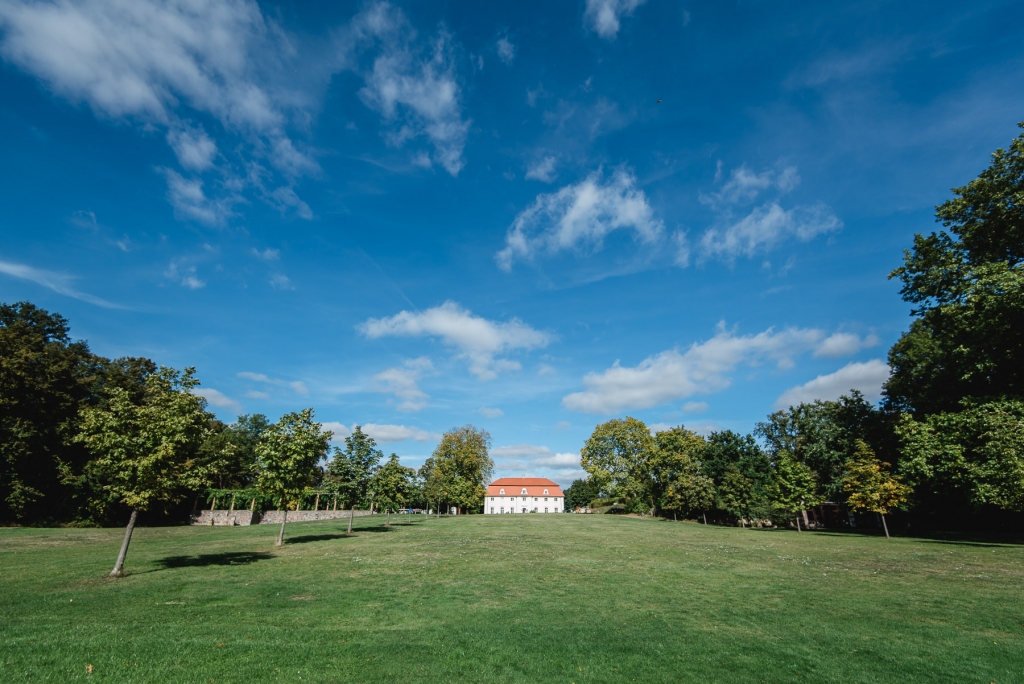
<point>459,468</point>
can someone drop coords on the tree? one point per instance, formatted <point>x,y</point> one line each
<point>679,483</point>
<point>145,451</point>
<point>350,471</point>
<point>617,457</point>
<point>737,494</point>
<point>967,287</point>
<point>967,458</point>
<point>45,380</point>
<point>229,451</point>
<point>392,486</point>
<point>287,456</point>
<point>793,487</point>
<point>870,487</point>
<point>580,493</point>
<point>460,467</point>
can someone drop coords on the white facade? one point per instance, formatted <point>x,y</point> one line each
<point>534,495</point>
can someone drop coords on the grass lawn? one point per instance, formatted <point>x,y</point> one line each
<point>526,598</point>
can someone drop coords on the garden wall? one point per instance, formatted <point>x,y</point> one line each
<point>244,517</point>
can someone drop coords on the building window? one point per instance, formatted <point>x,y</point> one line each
<point>492,509</point>
<point>545,498</point>
<point>545,510</point>
<point>524,491</point>
<point>502,509</point>
<point>492,498</point>
<point>545,493</point>
<point>534,498</point>
<point>502,492</point>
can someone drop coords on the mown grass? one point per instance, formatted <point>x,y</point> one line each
<point>530,598</point>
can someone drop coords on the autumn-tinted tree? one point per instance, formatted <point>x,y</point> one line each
<point>287,455</point>
<point>145,447</point>
<point>871,487</point>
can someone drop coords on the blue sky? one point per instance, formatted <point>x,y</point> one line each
<point>531,217</point>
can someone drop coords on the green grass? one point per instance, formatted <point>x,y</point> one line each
<point>508,599</point>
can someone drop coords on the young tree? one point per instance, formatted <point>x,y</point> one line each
<point>793,487</point>
<point>870,487</point>
<point>460,467</point>
<point>617,457</point>
<point>350,471</point>
<point>146,450</point>
<point>392,485</point>
<point>287,456</point>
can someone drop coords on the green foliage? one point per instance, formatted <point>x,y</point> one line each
<point>458,470</point>
<point>967,287</point>
<point>45,380</point>
<point>287,455</point>
<point>869,485</point>
<point>679,483</point>
<point>350,470</point>
<point>392,485</point>
<point>580,493</point>
<point>793,487</point>
<point>617,457</point>
<point>742,497</point>
<point>973,456</point>
<point>229,451</point>
<point>145,452</point>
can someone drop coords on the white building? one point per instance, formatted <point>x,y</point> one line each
<point>524,495</point>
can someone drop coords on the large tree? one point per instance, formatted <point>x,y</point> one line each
<point>618,456</point>
<point>145,447</point>
<point>580,493</point>
<point>678,482</point>
<point>793,488</point>
<point>966,284</point>
<point>459,469</point>
<point>871,487</point>
<point>45,380</point>
<point>287,456</point>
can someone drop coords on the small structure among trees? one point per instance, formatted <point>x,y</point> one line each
<point>524,495</point>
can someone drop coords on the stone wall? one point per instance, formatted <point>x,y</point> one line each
<point>244,517</point>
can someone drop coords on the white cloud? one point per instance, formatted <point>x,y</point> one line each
<point>297,386</point>
<point>537,461</point>
<point>866,377</point>
<point>412,85</point>
<point>194,149</point>
<point>157,63</point>
<point>744,185</point>
<point>186,278</point>
<point>267,254</point>
<point>542,170</point>
<point>253,394</point>
<point>383,434</point>
<point>765,227</point>
<point>844,344</point>
<point>703,368</point>
<point>506,50</point>
<point>603,16</point>
<point>478,339</point>
<point>218,399</point>
<point>189,201</point>
<point>58,282</point>
<point>280,281</point>
<point>402,382</point>
<point>491,412</point>
<point>580,216</point>
<point>695,407</point>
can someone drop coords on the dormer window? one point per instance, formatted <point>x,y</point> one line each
<point>545,492</point>
<point>502,492</point>
<point>524,490</point>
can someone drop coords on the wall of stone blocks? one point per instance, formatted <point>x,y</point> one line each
<point>234,518</point>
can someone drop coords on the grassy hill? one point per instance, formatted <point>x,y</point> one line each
<point>508,599</point>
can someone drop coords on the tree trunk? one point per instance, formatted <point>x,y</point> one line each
<point>388,523</point>
<point>316,505</point>
<point>705,518</point>
<point>885,527</point>
<point>232,509</point>
<point>119,565</point>
<point>351,513</point>
<point>195,506</point>
<point>214,504</point>
<point>675,517</point>
<point>807,523</point>
<point>284,519</point>
<point>798,524</point>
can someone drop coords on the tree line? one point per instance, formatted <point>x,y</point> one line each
<point>945,444</point>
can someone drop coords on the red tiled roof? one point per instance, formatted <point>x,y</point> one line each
<point>514,486</point>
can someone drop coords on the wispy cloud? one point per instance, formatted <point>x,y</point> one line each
<point>58,282</point>
<point>604,16</point>
<point>296,386</point>
<point>479,340</point>
<point>383,433</point>
<point>537,461</point>
<point>542,170</point>
<point>579,217</point>
<point>506,50</point>
<point>402,381</point>
<point>217,399</point>
<point>491,412</point>
<point>867,377</point>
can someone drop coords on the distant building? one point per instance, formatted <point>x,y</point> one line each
<point>524,495</point>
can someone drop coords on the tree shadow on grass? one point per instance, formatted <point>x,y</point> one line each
<point>207,559</point>
<point>957,539</point>
<point>306,538</point>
